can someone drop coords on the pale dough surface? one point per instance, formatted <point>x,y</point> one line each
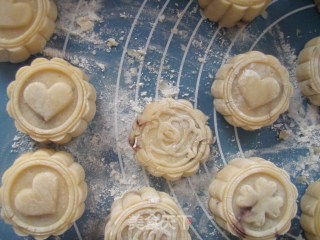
<point>146,214</point>
<point>251,90</point>
<point>253,199</point>
<point>308,70</point>
<point>43,193</point>
<point>25,27</point>
<point>310,207</point>
<point>51,100</point>
<point>171,138</point>
<point>229,12</point>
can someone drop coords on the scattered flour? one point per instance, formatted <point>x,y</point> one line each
<point>167,89</point>
<point>111,42</point>
<point>162,18</point>
<point>85,23</point>
<point>137,54</point>
<point>299,127</point>
<point>82,20</point>
<point>106,178</point>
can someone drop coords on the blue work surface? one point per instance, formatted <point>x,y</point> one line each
<point>183,52</point>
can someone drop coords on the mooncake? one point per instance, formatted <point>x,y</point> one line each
<point>251,90</point>
<point>51,101</point>
<point>253,199</point>
<point>43,193</point>
<point>310,208</point>
<point>229,12</point>
<point>25,27</point>
<point>308,71</point>
<point>170,138</point>
<point>146,214</point>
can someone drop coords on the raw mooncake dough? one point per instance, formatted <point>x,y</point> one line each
<point>170,138</point>
<point>253,199</point>
<point>251,90</point>
<point>43,193</point>
<point>229,12</point>
<point>51,100</point>
<point>308,71</point>
<point>310,207</point>
<point>144,215</point>
<point>25,27</point>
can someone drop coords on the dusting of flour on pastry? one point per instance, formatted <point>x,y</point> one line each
<point>96,150</point>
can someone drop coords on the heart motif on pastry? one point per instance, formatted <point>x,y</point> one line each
<point>48,102</point>
<point>257,91</point>
<point>15,14</point>
<point>41,199</point>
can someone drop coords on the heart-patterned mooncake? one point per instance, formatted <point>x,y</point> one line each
<point>15,14</point>
<point>251,90</point>
<point>48,102</point>
<point>51,100</point>
<point>25,27</point>
<point>43,193</point>
<point>41,198</point>
<point>257,91</point>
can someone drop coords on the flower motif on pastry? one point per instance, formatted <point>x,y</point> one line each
<point>253,199</point>
<point>146,214</point>
<point>308,71</point>
<point>51,100</point>
<point>262,199</point>
<point>43,193</point>
<point>229,12</point>
<point>171,138</point>
<point>251,90</point>
<point>310,207</point>
<point>25,27</point>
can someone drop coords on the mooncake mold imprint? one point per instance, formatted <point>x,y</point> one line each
<point>25,27</point>
<point>310,207</point>
<point>43,193</point>
<point>170,138</point>
<point>146,214</point>
<point>229,12</point>
<point>251,90</point>
<point>308,71</point>
<point>253,199</point>
<point>51,101</point>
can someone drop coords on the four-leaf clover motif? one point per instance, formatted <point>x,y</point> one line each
<point>260,201</point>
